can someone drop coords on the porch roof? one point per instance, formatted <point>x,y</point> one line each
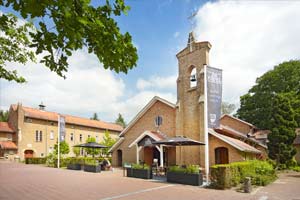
<point>238,144</point>
<point>156,136</point>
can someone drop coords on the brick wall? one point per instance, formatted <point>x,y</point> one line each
<point>146,123</point>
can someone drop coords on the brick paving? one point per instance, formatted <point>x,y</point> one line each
<point>30,182</point>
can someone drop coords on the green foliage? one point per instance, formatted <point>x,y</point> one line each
<point>3,116</point>
<point>107,141</point>
<point>274,104</point>
<point>228,175</point>
<point>95,117</point>
<point>71,25</point>
<point>76,151</point>
<point>139,166</point>
<point>227,108</point>
<point>14,45</point>
<point>296,168</point>
<point>190,169</point>
<point>35,160</point>
<point>51,160</point>
<point>120,120</point>
<point>63,148</point>
<point>92,151</point>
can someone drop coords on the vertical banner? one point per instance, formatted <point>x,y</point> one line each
<point>62,128</point>
<point>212,106</point>
<point>61,125</point>
<point>214,96</point>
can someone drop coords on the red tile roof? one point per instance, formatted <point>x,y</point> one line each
<point>5,127</point>
<point>53,116</point>
<point>8,145</point>
<point>242,146</point>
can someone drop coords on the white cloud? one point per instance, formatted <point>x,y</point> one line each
<point>157,82</point>
<point>248,39</point>
<point>88,89</point>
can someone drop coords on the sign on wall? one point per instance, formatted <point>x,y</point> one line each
<point>214,96</point>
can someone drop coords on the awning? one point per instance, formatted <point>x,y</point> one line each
<point>91,145</point>
<point>8,145</point>
<point>179,141</point>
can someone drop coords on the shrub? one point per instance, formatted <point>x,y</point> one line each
<point>35,160</point>
<point>190,169</point>
<point>228,175</point>
<point>139,166</point>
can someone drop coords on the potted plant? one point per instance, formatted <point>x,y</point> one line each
<point>74,164</point>
<point>139,171</point>
<point>92,166</point>
<point>189,175</point>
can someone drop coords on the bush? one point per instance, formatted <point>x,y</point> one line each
<point>228,175</point>
<point>190,169</point>
<point>35,160</point>
<point>139,166</point>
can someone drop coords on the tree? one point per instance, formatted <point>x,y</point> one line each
<point>107,141</point>
<point>227,108</point>
<point>120,120</point>
<point>63,148</point>
<point>76,151</point>
<point>95,117</point>
<point>3,116</point>
<point>92,151</point>
<point>273,103</point>
<point>282,134</point>
<point>71,25</point>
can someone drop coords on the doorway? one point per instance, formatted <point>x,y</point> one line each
<point>28,153</point>
<point>120,158</point>
<point>221,155</point>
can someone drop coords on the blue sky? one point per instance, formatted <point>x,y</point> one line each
<point>248,38</point>
<point>153,26</point>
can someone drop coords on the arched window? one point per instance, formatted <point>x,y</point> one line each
<point>221,155</point>
<point>158,121</point>
<point>193,77</point>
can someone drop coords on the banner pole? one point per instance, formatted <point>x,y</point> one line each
<point>58,142</point>
<point>206,151</point>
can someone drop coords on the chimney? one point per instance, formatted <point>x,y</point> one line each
<point>42,106</point>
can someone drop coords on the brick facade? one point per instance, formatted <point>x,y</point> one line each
<point>26,127</point>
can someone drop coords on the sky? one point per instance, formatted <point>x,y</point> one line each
<point>248,38</point>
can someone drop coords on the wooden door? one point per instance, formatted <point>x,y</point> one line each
<point>28,154</point>
<point>221,155</point>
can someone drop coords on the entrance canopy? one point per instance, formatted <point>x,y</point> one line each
<point>179,141</point>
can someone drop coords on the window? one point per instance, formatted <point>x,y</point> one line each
<point>28,120</point>
<point>51,135</point>
<point>80,137</point>
<point>72,137</point>
<point>42,154</point>
<point>38,136</point>
<point>97,138</point>
<point>9,136</point>
<point>193,78</point>
<point>89,136</point>
<point>158,121</point>
<point>50,149</point>
<point>41,136</point>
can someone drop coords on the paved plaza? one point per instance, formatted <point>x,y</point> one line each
<point>30,182</point>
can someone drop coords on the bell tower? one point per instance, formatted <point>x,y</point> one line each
<point>190,99</point>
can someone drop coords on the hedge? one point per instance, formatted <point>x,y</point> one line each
<point>51,160</point>
<point>35,160</point>
<point>229,175</point>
